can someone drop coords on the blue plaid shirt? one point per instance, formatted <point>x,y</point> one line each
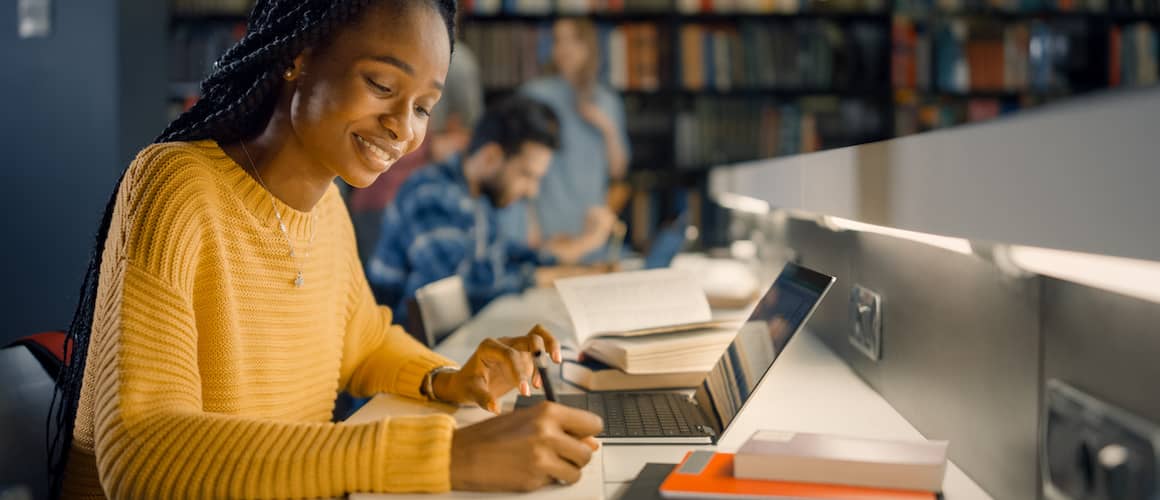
<point>433,229</point>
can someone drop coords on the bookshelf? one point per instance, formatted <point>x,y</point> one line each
<point>667,64</point>
<point>687,112</point>
<point>959,61</point>
<point>798,75</point>
<point>199,32</point>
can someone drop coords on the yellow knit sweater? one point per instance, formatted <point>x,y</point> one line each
<point>211,376</point>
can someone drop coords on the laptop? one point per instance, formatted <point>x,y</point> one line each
<point>656,417</point>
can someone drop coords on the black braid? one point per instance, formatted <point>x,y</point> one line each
<point>238,99</point>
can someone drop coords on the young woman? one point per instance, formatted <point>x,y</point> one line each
<point>593,145</point>
<point>225,304</point>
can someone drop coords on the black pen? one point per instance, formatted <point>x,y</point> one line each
<point>543,369</point>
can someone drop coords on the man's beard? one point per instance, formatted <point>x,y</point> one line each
<point>494,193</point>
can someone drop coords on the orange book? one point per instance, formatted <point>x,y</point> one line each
<point>704,474</point>
<point>649,56</point>
<point>632,55</point>
<point>692,70</point>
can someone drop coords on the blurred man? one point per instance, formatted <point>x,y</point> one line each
<point>443,220</point>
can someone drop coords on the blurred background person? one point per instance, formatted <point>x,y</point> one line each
<point>443,221</point>
<point>594,147</point>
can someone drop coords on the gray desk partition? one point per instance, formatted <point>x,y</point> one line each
<point>1081,175</point>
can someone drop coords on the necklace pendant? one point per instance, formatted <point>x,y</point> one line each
<point>298,280</point>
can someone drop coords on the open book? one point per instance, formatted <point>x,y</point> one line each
<point>619,319</point>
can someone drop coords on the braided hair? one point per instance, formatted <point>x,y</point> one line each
<point>239,98</point>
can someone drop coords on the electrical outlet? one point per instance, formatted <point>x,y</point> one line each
<point>1090,450</point>
<point>866,318</point>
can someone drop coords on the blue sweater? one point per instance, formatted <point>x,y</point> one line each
<point>434,229</point>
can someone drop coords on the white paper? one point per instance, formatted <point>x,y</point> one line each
<point>615,303</point>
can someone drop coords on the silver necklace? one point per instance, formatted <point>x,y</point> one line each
<point>298,280</point>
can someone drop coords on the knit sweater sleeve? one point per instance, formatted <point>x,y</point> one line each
<point>379,356</point>
<point>153,438</point>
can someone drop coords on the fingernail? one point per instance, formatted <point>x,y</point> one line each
<point>557,356</point>
<point>524,388</point>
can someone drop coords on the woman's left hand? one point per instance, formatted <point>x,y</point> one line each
<point>498,366</point>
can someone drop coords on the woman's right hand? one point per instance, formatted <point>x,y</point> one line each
<point>524,450</point>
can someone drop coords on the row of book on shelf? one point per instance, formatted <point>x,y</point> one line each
<point>547,7</point>
<point>810,54</point>
<point>1008,6</point>
<point>1119,7</point>
<point>962,56</point>
<point>719,130</point>
<point>1134,52</point>
<point>575,7</point>
<point>913,114</point>
<point>804,53</point>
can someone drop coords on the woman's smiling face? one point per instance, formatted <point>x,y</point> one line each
<point>363,101</point>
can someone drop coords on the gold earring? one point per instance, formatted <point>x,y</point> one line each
<point>289,74</point>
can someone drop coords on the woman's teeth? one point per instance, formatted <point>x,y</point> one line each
<point>379,152</point>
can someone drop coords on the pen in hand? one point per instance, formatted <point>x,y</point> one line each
<point>543,369</point>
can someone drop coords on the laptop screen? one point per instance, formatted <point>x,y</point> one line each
<point>777,317</point>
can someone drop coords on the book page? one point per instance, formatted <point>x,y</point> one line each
<point>613,304</point>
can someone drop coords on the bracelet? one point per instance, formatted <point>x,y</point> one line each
<point>428,388</point>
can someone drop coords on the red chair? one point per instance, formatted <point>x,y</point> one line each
<point>28,368</point>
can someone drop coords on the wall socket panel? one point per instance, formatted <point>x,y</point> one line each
<point>865,332</point>
<point>1090,450</point>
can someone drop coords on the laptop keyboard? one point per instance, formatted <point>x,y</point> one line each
<point>642,415</point>
<point>634,414</point>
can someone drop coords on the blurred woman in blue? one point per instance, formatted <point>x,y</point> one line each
<point>594,147</point>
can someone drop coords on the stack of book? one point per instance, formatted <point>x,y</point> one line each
<point>776,464</point>
<point>642,330</point>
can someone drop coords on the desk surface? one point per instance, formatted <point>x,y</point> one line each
<point>809,389</point>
